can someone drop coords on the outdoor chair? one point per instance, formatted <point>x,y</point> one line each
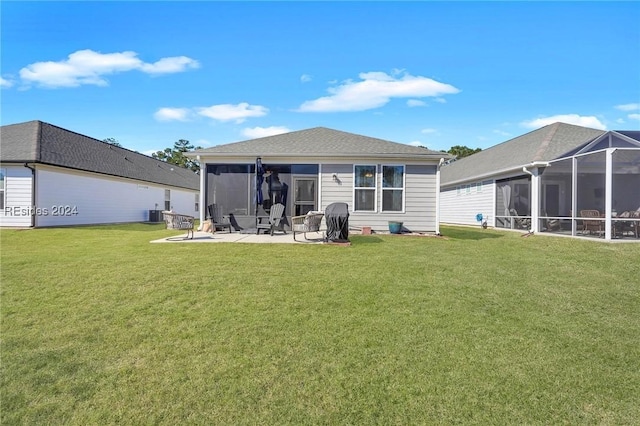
<point>551,224</point>
<point>520,222</point>
<point>309,222</point>
<point>592,225</point>
<point>217,219</point>
<point>276,222</point>
<point>179,221</point>
<point>633,225</point>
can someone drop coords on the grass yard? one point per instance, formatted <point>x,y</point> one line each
<point>481,327</point>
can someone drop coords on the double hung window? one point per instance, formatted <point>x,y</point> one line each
<point>3,183</point>
<point>365,188</point>
<point>167,199</point>
<point>392,188</point>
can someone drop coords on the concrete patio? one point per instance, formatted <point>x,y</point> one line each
<point>236,237</point>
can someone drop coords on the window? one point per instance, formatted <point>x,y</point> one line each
<point>2,188</point>
<point>365,188</point>
<point>167,199</point>
<point>392,188</point>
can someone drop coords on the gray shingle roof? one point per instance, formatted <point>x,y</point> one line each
<point>39,142</point>
<point>320,142</point>
<point>541,145</point>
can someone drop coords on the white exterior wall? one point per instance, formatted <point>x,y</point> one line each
<point>77,198</point>
<point>460,204</point>
<point>18,196</point>
<point>419,197</point>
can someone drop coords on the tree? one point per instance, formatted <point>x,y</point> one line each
<point>460,151</point>
<point>176,155</point>
<point>112,141</point>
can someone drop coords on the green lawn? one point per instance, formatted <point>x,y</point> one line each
<point>481,327</point>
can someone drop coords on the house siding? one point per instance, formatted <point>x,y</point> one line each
<point>101,199</point>
<point>18,198</point>
<point>336,192</point>
<point>420,197</point>
<point>459,206</point>
<point>419,213</point>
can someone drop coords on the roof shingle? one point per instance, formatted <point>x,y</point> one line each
<point>319,142</point>
<point>545,144</point>
<point>39,142</point>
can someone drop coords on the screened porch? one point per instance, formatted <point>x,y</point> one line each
<point>594,193</point>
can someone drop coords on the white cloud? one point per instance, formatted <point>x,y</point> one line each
<point>620,121</point>
<point>501,133</point>
<point>634,116</point>
<point>261,132</point>
<point>5,83</point>
<point>374,90</point>
<point>227,112</point>
<point>440,100</point>
<point>170,65</point>
<point>172,114</point>
<point>89,67</point>
<point>415,143</point>
<point>628,107</point>
<point>428,131</point>
<point>579,120</point>
<point>305,78</point>
<point>416,103</point>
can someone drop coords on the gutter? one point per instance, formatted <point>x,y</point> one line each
<point>534,164</point>
<point>242,156</point>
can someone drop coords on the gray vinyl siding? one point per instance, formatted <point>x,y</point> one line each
<point>461,206</point>
<point>336,192</point>
<point>420,198</point>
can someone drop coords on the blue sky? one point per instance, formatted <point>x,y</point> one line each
<point>436,74</point>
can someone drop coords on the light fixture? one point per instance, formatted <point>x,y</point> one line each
<point>335,177</point>
<point>368,174</point>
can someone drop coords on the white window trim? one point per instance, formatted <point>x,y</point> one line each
<point>404,186</point>
<point>374,189</point>
<point>167,199</point>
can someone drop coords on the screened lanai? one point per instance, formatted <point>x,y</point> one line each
<point>559,179</point>
<point>594,193</point>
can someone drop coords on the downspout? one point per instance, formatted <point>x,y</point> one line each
<point>203,178</point>
<point>440,163</point>
<point>33,193</point>
<point>535,199</point>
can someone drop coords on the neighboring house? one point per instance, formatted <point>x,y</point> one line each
<point>50,176</point>
<point>307,170</point>
<point>545,180</point>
